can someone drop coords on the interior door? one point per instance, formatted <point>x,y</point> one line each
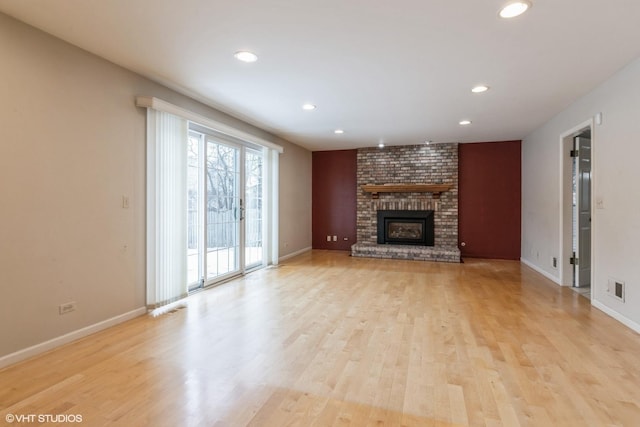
<point>583,212</point>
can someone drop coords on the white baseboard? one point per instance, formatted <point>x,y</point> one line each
<point>28,352</point>
<point>619,317</point>
<point>532,266</point>
<point>597,304</point>
<point>296,253</point>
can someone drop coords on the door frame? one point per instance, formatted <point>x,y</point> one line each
<point>565,269</point>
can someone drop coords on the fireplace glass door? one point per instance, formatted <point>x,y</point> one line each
<point>405,227</point>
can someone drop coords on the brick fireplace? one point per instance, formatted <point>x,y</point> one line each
<point>399,167</point>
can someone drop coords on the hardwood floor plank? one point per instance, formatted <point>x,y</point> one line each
<point>330,340</point>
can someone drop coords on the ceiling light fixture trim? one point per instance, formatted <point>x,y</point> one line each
<point>480,89</point>
<point>515,8</point>
<point>246,56</point>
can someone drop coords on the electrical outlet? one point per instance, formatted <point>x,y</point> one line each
<point>67,307</point>
<point>125,202</point>
<point>554,262</point>
<point>335,238</point>
<point>328,238</point>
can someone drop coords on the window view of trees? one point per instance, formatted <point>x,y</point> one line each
<point>223,198</point>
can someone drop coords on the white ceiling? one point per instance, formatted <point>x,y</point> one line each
<point>398,72</point>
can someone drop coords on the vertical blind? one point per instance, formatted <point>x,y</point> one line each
<point>166,208</point>
<point>167,147</point>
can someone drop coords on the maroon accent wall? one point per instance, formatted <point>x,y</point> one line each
<point>334,198</point>
<point>489,199</point>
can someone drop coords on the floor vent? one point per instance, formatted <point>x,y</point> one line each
<point>616,289</point>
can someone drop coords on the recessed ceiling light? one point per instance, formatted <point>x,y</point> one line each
<point>246,56</point>
<point>308,107</point>
<point>480,89</point>
<point>338,131</point>
<point>464,122</point>
<point>515,8</point>
<point>381,145</point>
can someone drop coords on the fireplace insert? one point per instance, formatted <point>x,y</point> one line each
<point>405,227</point>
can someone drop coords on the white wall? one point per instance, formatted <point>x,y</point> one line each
<point>616,175</point>
<point>72,143</point>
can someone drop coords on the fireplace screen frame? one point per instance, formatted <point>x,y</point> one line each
<point>424,218</point>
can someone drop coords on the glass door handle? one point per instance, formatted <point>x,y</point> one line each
<point>241,210</point>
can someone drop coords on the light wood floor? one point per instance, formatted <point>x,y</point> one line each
<point>330,340</point>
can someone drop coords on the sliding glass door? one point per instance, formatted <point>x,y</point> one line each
<point>225,213</point>
<point>253,212</point>
<point>223,210</point>
<point>195,218</point>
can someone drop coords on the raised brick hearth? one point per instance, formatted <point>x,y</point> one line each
<point>412,164</point>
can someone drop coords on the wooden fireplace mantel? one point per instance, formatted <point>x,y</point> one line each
<point>436,189</point>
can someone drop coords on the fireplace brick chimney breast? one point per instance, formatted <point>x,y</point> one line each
<point>410,164</point>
